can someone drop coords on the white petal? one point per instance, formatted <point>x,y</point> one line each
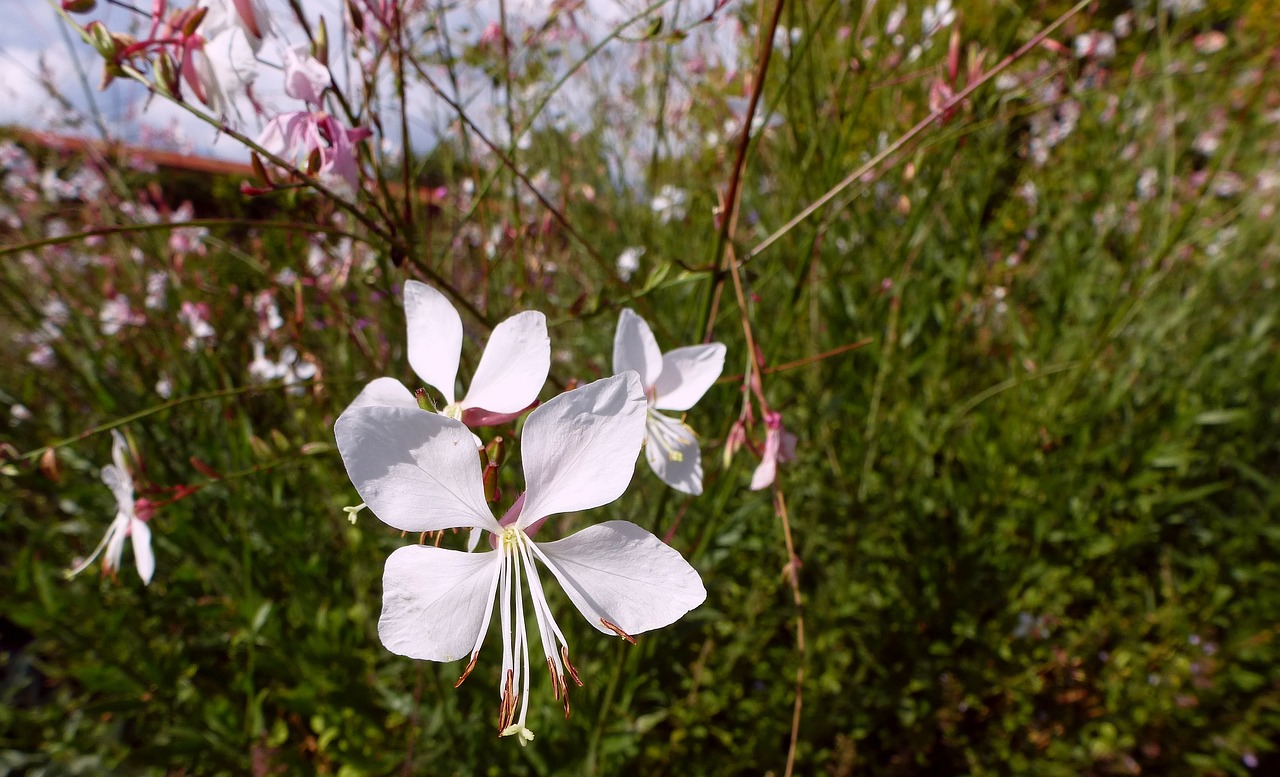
<point>140,533</point>
<point>121,485</point>
<point>672,451</point>
<point>119,449</point>
<point>417,471</point>
<point>384,392</point>
<point>514,365</point>
<point>635,349</point>
<point>579,449</point>
<point>622,573</point>
<point>115,545</point>
<point>435,601</point>
<point>765,473</point>
<point>435,337</point>
<point>687,373</point>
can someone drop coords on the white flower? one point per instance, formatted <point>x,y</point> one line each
<point>936,16</point>
<point>250,17</point>
<point>418,472</point>
<point>126,524</point>
<point>669,203</point>
<point>675,380</point>
<point>629,262</point>
<point>511,372</point>
<point>227,67</point>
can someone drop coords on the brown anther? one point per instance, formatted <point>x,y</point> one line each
<point>556,682</point>
<point>467,672</point>
<point>614,628</point>
<point>564,656</point>
<point>507,712</point>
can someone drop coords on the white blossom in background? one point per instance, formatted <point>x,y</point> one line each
<point>157,282</point>
<point>127,522</point>
<point>196,317</point>
<point>935,17</point>
<point>511,372</point>
<point>418,472</point>
<point>675,380</point>
<point>116,315</point>
<point>669,203</point>
<point>629,262</point>
<point>289,368</point>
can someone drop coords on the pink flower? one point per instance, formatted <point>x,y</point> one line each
<point>305,77</point>
<point>296,136</point>
<point>779,447</point>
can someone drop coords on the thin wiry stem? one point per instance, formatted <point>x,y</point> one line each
<point>793,577</point>
<point>920,126</point>
<point>729,215</point>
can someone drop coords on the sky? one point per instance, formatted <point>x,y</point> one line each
<point>35,47</point>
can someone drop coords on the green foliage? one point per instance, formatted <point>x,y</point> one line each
<point>1033,516</point>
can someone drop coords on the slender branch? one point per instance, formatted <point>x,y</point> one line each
<point>150,411</point>
<point>507,161</point>
<point>729,216</point>
<point>803,362</point>
<point>924,123</point>
<point>125,229</point>
<point>793,577</point>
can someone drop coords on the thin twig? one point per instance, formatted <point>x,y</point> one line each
<point>729,216</point>
<point>924,123</point>
<point>793,577</point>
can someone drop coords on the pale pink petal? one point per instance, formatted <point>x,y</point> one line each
<point>621,573</point>
<point>140,533</point>
<point>305,77</point>
<point>514,365</point>
<point>417,471</point>
<point>635,349</point>
<point>687,373</point>
<point>779,445</point>
<point>435,602</point>
<point>384,392</point>
<point>579,449</point>
<point>435,337</point>
<point>672,451</point>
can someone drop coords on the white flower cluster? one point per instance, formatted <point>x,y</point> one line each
<point>420,471</point>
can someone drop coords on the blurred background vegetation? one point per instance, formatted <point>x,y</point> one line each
<point>1034,517</point>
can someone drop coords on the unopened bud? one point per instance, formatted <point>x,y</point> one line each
<point>424,400</point>
<point>496,451</point>
<point>313,162</point>
<point>320,49</point>
<point>79,6</point>
<point>193,21</point>
<point>101,40</point>
<point>357,16</point>
<point>49,465</point>
<point>167,76</point>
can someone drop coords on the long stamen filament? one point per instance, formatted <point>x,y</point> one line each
<point>668,439</point>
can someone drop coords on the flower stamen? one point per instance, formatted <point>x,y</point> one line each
<point>614,628</point>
